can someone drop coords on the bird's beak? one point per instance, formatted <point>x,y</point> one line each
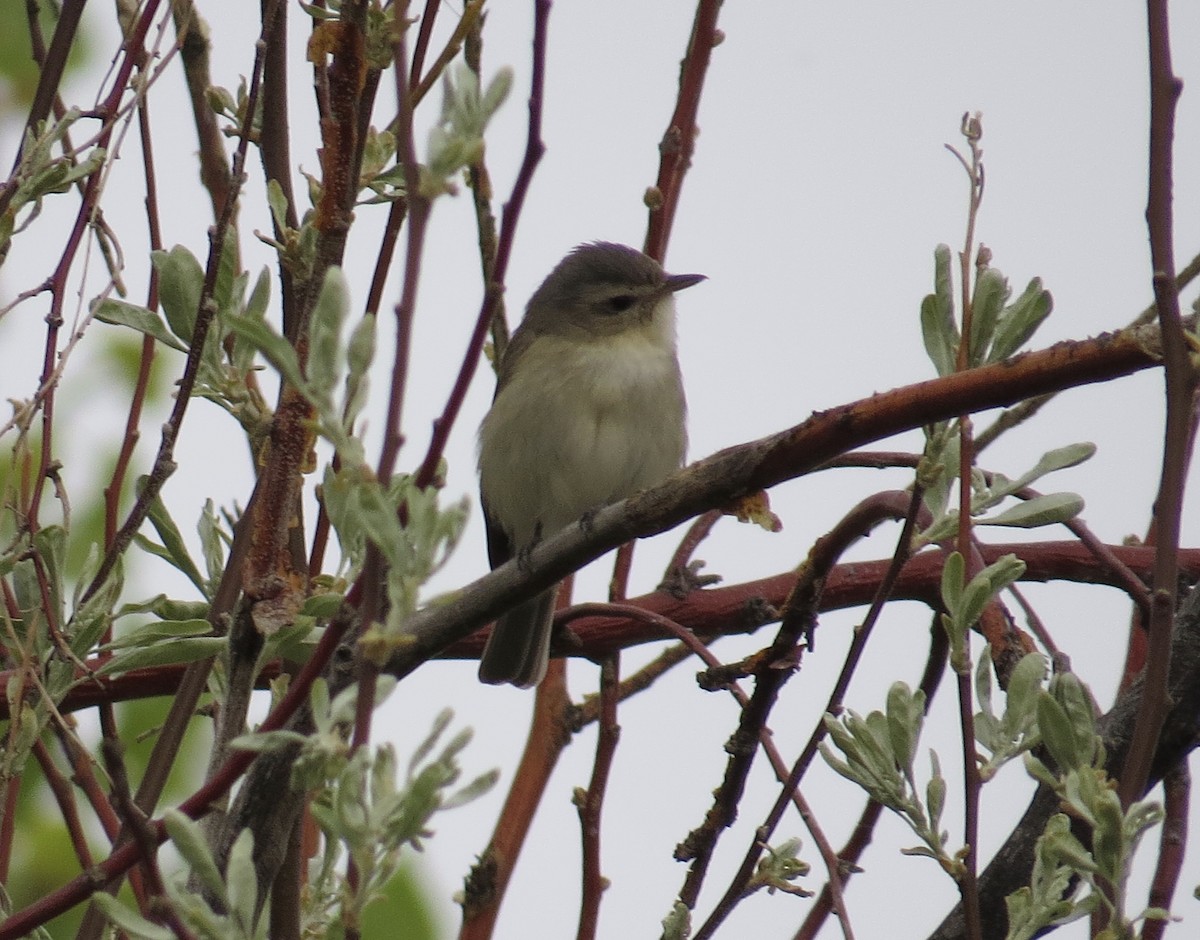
<point>677,282</point>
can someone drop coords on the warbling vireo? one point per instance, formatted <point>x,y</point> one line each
<point>589,409</point>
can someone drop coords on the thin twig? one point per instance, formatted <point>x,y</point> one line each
<point>590,802</point>
<point>860,837</point>
<point>1172,847</point>
<point>679,139</point>
<point>908,508</point>
<point>1180,379</point>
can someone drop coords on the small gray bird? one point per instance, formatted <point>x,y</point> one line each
<point>589,409</point>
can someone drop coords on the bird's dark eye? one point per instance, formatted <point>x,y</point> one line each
<point>619,303</point>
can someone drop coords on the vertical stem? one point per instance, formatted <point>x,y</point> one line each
<point>1180,380</point>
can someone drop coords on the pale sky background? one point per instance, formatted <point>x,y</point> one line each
<point>819,190</point>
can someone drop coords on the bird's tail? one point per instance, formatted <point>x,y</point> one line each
<point>519,647</point>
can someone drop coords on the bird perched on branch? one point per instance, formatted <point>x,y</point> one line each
<point>589,409</point>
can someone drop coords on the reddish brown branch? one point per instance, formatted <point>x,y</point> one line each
<point>1172,849</point>
<point>549,733</point>
<point>679,140</point>
<point>1180,379</point>
<point>590,802</point>
<point>731,473</point>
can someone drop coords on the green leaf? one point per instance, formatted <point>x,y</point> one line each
<point>938,328</point>
<point>159,630</point>
<point>191,844</point>
<point>991,291</point>
<point>953,581</point>
<point>120,313</point>
<point>227,290</point>
<point>172,540</point>
<point>905,716</point>
<point>185,650</point>
<point>126,920</point>
<point>180,284</point>
<point>325,334</point>
<point>278,203</point>
<point>1080,712</point>
<point>243,881</point>
<point>1020,320</point>
<point>273,347</point>
<point>1056,732</point>
<point>1049,509</point>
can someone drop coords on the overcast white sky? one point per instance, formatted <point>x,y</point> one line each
<point>819,191</point>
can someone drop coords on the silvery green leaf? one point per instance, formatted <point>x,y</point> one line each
<point>836,763</point>
<point>159,630</point>
<point>1024,684</point>
<point>273,347</point>
<point>935,792</point>
<point>1060,459</point>
<point>242,357</point>
<point>440,723</point>
<point>991,292</point>
<point>473,790</point>
<point>277,200</point>
<point>1056,732</point>
<point>243,881</point>
<point>937,316</point>
<point>229,284</point>
<point>987,584</point>
<point>905,716</point>
<point>183,650</point>
<point>325,334</point>
<point>497,91</point>
<point>953,582</point>
<point>166,608</point>
<point>1063,846</point>
<point>190,842</point>
<point>212,545</point>
<point>1039,771</point>
<point>128,921</point>
<point>318,703</point>
<point>1044,510</point>
<point>262,742</point>
<point>172,539</point>
<point>120,313</point>
<point>976,596</point>
<point>1080,710</point>
<point>360,353</point>
<point>180,284</point>
<point>1142,816</point>
<point>1020,320</point>
<point>983,682</point>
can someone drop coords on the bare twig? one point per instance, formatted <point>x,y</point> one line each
<point>1177,786</point>
<point>590,802</point>
<point>903,507</point>
<point>1180,379</point>
<point>677,143</point>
